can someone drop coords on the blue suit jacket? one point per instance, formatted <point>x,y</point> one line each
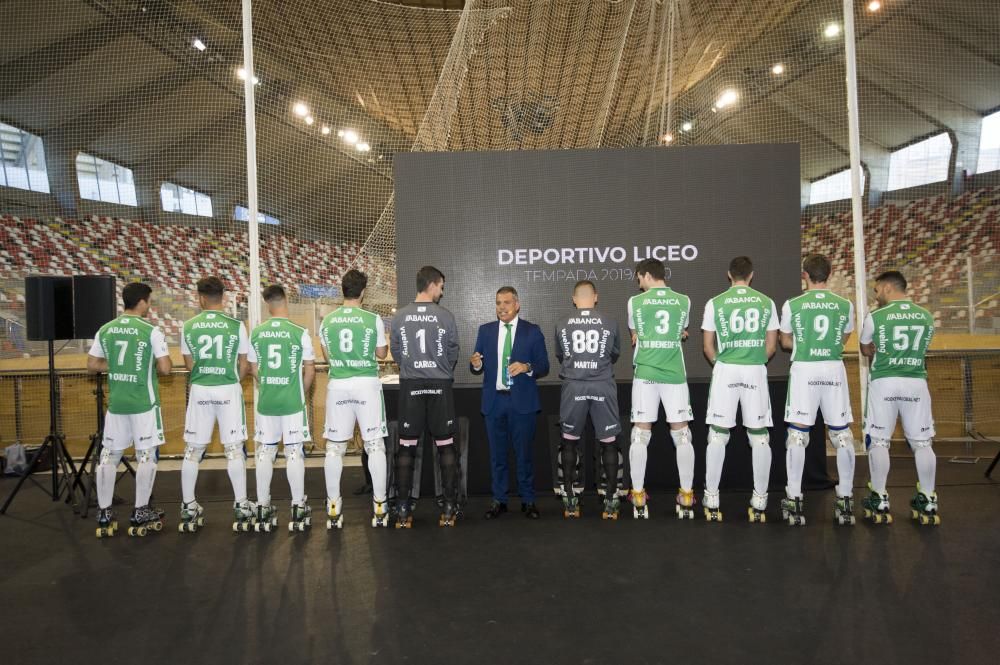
<point>529,347</point>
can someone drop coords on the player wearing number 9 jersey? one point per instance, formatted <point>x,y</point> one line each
<point>353,341</point>
<point>215,346</point>
<point>896,337</point>
<point>740,334</point>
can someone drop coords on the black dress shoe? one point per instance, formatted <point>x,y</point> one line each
<point>496,510</point>
<point>530,511</point>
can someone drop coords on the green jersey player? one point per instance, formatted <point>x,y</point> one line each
<point>740,335</point>
<point>132,351</point>
<point>282,360</point>
<point>896,336</point>
<point>658,321</point>
<point>814,327</point>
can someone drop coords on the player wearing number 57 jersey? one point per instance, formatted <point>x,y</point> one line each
<point>740,335</point>
<point>814,327</point>
<point>353,341</point>
<point>215,346</point>
<point>896,336</point>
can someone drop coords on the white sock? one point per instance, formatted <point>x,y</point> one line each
<point>106,484</point>
<point>926,468</point>
<point>145,472</point>
<point>685,458</point>
<point>238,477</point>
<point>715,455</point>
<point>795,461</point>
<point>761,468</point>
<point>845,470</point>
<point>295,469</point>
<point>264,472</point>
<point>377,468</point>
<point>333,468</point>
<point>189,477</point>
<point>878,465</point>
<point>637,455</point>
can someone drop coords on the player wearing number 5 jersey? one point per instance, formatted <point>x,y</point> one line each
<point>353,341</point>
<point>814,327</point>
<point>740,335</point>
<point>896,336</point>
<point>215,346</point>
<point>658,319</point>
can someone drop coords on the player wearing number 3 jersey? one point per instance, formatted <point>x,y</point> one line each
<point>740,335</point>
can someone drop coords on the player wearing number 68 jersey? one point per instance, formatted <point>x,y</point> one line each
<point>740,334</point>
<point>353,341</point>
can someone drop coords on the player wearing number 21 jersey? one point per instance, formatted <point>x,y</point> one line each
<point>740,334</point>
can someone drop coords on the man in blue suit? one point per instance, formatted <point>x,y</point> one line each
<point>511,355</point>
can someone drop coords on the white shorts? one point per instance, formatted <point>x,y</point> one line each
<point>906,397</point>
<point>206,404</point>
<point>743,386</point>
<point>144,430</point>
<point>355,400</point>
<point>818,386</point>
<point>275,429</point>
<point>648,395</point>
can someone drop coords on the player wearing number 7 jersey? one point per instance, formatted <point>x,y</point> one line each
<point>740,335</point>
<point>896,337</point>
<point>215,346</point>
<point>353,341</point>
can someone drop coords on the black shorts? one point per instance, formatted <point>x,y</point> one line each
<point>426,405</point>
<point>599,399</point>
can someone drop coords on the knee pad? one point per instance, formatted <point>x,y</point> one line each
<point>336,448</point>
<point>147,456</point>
<point>235,451</point>
<point>796,437</point>
<point>877,443</point>
<point>267,453</point>
<point>375,447</point>
<point>681,437</point>
<point>293,452</point>
<point>110,457</point>
<point>715,436</point>
<point>759,438</point>
<point>842,438</point>
<point>640,437</point>
<point>194,453</point>
<point>917,444</point>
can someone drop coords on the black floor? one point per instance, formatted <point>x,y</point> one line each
<point>509,591</point>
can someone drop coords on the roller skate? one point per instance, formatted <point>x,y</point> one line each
<point>144,520</point>
<point>266,518</point>
<point>449,514</point>
<point>192,517</point>
<point>792,510</point>
<point>639,499</point>
<point>685,504</point>
<point>380,514</point>
<point>924,507</point>
<point>107,525</point>
<point>571,507</point>
<point>755,511</point>
<point>334,513</point>
<point>711,503</point>
<point>877,507</point>
<point>843,510</point>
<point>610,507</point>
<point>404,515</point>
<point>301,517</point>
<point>243,515</point>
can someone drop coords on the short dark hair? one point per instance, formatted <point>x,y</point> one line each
<point>741,267</point>
<point>818,267</point>
<point>211,287</point>
<point>508,289</point>
<point>894,277</point>
<point>274,293</point>
<point>426,276</point>
<point>353,283</point>
<point>584,282</point>
<point>135,292</point>
<point>652,267</point>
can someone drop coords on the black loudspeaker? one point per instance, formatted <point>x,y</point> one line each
<point>48,304</point>
<point>93,304</point>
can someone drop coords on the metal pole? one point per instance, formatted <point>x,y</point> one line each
<point>970,295</point>
<point>253,297</point>
<point>857,212</point>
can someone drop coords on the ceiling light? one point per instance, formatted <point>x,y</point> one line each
<point>668,138</point>
<point>686,127</point>
<point>727,98</point>
<point>363,147</point>
<point>309,120</point>
<point>778,69</point>
<point>198,44</point>
<point>241,74</point>
<point>832,30</point>
<point>325,130</point>
<point>350,136</point>
<point>300,109</point>
<point>874,6</point>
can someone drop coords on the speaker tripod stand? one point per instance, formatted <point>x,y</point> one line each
<point>64,472</point>
<point>93,455</point>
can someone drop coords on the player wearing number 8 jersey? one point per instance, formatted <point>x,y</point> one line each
<point>896,337</point>
<point>215,346</point>
<point>814,327</point>
<point>740,335</point>
<point>353,341</point>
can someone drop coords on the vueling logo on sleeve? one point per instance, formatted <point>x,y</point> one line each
<point>820,296</point>
<point>210,316</point>
<point>904,306</point>
<point>275,324</point>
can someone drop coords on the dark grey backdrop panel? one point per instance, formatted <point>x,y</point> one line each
<point>597,212</point>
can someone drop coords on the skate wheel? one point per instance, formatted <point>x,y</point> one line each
<point>868,513</point>
<point>258,527</point>
<point>852,520</point>
<point>937,520</point>
<point>100,532</point>
<point>236,527</point>
<point>156,526</point>
<point>291,527</point>
<point>329,524</point>
<point>888,519</point>
<point>200,521</point>
<point>915,515</point>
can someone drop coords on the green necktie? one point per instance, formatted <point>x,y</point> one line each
<point>507,343</point>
